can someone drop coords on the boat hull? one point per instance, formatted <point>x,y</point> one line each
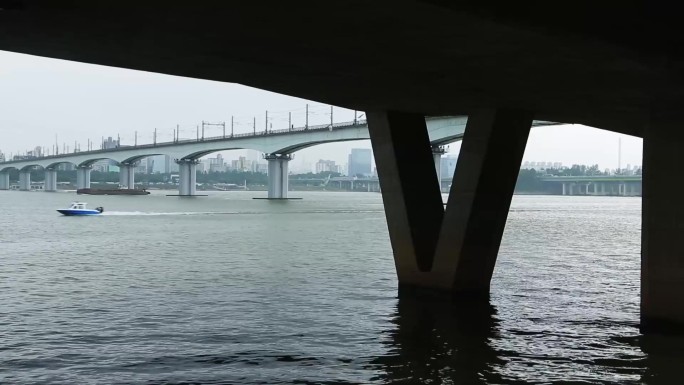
<point>70,212</point>
<point>89,191</point>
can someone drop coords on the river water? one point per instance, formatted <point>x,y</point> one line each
<point>225,289</point>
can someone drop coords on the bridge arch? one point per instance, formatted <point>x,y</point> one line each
<point>54,165</point>
<point>8,168</point>
<point>301,146</point>
<point>137,158</point>
<point>30,167</point>
<point>90,162</point>
<point>198,154</point>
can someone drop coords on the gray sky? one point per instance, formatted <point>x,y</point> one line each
<point>41,98</point>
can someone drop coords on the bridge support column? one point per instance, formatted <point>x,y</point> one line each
<point>4,181</point>
<point>25,180</point>
<point>127,175</point>
<point>277,175</point>
<point>83,177</point>
<point>437,152</point>
<point>187,174</point>
<point>564,189</point>
<point>50,180</point>
<point>662,231</point>
<point>452,251</point>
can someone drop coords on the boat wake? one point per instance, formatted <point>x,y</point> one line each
<point>145,213</point>
<point>148,213</point>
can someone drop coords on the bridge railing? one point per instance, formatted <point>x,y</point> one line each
<point>318,127</point>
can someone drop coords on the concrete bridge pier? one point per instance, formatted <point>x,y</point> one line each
<point>25,180</point>
<point>568,188</point>
<point>83,176</point>
<point>277,175</point>
<point>187,182</point>
<point>50,180</point>
<point>437,152</point>
<point>450,251</point>
<point>4,181</point>
<point>662,231</point>
<point>127,175</point>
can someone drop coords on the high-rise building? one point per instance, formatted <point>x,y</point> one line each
<point>161,164</point>
<point>539,166</point>
<point>141,167</point>
<point>448,166</point>
<point>325,166</point>
<point>360,161</point>
<point>149,164</point>
<point>261,168</point>
<point>242,164</point>
<point>66,167</point>
<point>217,164</point>
<point>217,161</point>
<point>103,165</point>
<point>110,143</point>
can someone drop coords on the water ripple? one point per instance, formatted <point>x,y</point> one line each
<point>230,290</point>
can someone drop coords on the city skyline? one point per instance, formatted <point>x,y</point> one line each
<point>82,102</point>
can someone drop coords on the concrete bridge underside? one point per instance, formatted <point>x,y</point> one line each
<point>612,66</point>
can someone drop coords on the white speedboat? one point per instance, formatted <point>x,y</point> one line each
<point>79,208</point>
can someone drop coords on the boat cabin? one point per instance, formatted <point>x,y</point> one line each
<point>78,206</point>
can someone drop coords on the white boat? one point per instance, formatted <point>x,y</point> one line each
<point>79,208</point>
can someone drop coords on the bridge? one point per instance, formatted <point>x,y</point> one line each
<point>277,145</point>
<point>612,67</point>
<point>613,185</point>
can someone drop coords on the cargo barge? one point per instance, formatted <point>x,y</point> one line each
<point>114,191</point>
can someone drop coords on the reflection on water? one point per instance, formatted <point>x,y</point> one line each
<point>433,342</point>
<point>664,361</point>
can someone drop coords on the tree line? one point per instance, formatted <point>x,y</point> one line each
<point>530,180</point>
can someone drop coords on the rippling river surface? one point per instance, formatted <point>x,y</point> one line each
<point>227,289</point>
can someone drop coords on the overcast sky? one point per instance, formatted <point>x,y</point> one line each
<point>41,98</point>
